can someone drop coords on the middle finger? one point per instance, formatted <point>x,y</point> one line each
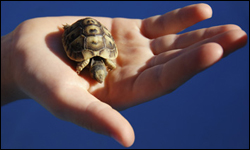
<point>173,41</point>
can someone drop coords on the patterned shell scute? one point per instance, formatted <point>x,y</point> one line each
<point>88,38</point>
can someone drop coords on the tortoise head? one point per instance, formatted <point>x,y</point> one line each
<point>98,69</point>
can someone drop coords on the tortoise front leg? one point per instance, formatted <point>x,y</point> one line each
<point>110,64</point>
<point>81,65</point>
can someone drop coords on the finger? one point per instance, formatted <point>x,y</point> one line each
<point>83,109</point>
<point>189,64</point>
<point>229,41</point>
<point>165,78</point>
<point>175,21</point>
<point>173,41</point>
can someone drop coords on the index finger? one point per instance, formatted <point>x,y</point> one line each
<point>175,21</point>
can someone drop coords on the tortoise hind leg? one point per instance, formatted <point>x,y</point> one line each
<point>66,26</point>
<point>110,64</point>
<point>81,65</point>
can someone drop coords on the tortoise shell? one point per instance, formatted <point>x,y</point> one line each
<point>87,38</point>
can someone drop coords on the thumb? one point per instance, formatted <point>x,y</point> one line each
<point>87,111</point>
<point>103,119</point>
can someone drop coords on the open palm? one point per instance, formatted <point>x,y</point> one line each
<point>152,61</point>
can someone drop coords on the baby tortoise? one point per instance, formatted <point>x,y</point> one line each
<point>88,42</point>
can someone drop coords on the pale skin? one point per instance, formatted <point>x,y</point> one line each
<point>153,61</point>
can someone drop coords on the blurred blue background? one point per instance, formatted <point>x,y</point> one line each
<point>209,111</point>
